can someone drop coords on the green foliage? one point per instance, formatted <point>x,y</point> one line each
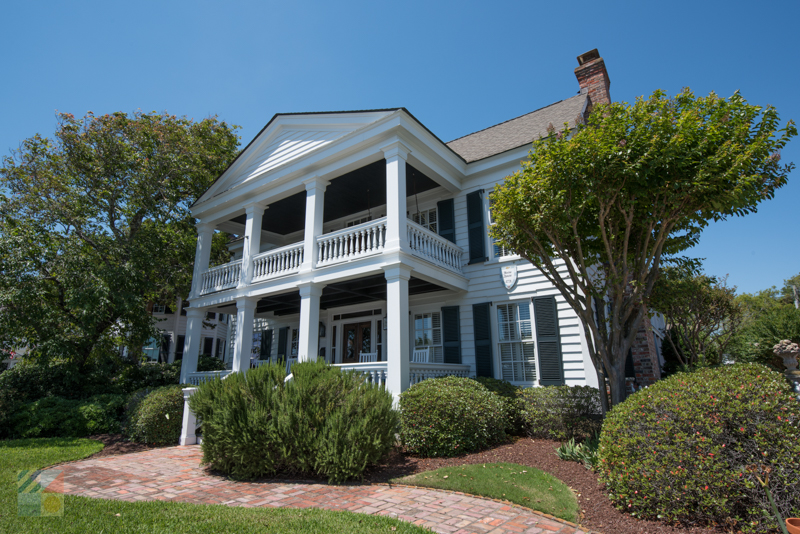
<point>600,207</point>
<point>510,395</point>
<point>155,417</point>
<point>209,363</point>
<point>86,214</point>
<point>323,422</point>
<point>585,453</point>
<point>768,319</point>
<point>562,412</point>
<point>689,448</point>
<point>147,375</point>
<point>69,418</point>
<point>450,416</point>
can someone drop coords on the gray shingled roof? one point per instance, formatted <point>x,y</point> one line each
<point>518,132</point>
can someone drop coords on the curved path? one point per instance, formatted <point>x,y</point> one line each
<point>175,474</point>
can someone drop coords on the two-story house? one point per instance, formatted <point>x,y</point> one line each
<point>364,241</point>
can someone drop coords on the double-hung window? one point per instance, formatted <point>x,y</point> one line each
<point>159,309</point>
<point>517,359</point>
<point>427,219</point>
<point>428,334</point>
<point>295,342</point>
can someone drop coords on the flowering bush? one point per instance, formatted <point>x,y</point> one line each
<point>692,447</point>
<point>562,412</point>
<point>156,416</point>
<point>449,416</point>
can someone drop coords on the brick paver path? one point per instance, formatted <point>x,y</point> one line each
<point>175,474</point>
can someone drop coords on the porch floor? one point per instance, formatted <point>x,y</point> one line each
<point>175,474</point>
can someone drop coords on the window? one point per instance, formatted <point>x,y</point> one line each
<point>427,219</point>
<point>357,221</point>
<point>517,360</point>
<point>151,349</point>
<point>222,317</point>
<point>159,309</point>
<point>179,348</point>
<point>210,316</point>
<point>497,250</point>
<point>208,346</point>
<point>428,333</point>
<point>295,339</point>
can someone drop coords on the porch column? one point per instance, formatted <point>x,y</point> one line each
<point>309,322</point>
<point>191,344</point>
<point>315,203</point>
<point>202,255</point>
<point>243,344</point>
<point>252,241</point>
<point>397,333</point>
<point>396,233</point>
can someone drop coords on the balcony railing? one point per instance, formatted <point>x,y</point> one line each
<point>377,372</point>
<point>434,248</point>
<point>278,262</point>
<point>221,277</point>
<point>350,243</point>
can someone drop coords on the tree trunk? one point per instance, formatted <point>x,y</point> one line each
<point>616,379</point>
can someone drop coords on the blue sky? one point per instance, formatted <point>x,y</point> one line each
<point>457,66</point>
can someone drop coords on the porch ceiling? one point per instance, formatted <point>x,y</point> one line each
<point>354,192</point>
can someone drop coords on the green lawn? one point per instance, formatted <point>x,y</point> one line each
<point>96,516</point>
<point>521,485</point>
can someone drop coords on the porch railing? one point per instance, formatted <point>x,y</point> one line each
<point>375,371</point>
<point>278,262</point>
<point>196,378</point>
<point>221,277</point>
<point>434,248</point>
<point>424,371</point>
<point>350,243</point>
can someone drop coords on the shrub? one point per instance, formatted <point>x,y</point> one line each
<point>69,418</point>
<point>510,395</point>
<point>586,453</point>
<point>562,412</point>
<point>148,375</point>
<point>324,422</point>
<point>690,448</point>
<point>155,417</point>
<point>449,416</point>
<point>207,363</point>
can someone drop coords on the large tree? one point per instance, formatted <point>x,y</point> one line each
<point>599,209</point>
<point>94,223</point>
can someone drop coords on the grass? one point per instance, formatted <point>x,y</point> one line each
<point>526,486</point>
<point>83,515</point>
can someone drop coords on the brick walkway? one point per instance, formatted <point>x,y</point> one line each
<point>175,474</point>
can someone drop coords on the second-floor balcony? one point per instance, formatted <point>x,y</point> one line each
<point>335,248</point>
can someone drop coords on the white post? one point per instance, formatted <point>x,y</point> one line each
<point>188,436</point>
<point>315,205</point>
<point>308,344</point>
<point>191,344</point>
<point>243,346</point>
<point>252,241</point>
<point>397,331</point>
<point>202,255</point>
<point>396,233</point>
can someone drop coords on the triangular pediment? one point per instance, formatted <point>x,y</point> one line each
<point>288,138</point>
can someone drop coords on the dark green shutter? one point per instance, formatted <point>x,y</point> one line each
<point>266,344</point>
<point>476,228</point>
<point>481,321</point>
<point>548,340</point>
<point>283,337</point>
<point>447,219</point>
<point>451,334</point>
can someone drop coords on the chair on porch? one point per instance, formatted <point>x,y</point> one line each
<point>420,355</point>
<point>368,357</point>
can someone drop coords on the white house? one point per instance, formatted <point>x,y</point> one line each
<point>171,322</point>
<point>364,241</point>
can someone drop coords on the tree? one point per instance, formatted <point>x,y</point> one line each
<point>599,209</point>
<point>701,313</point>
<point>96,223</point>
<point>791,290</point>
<point>767,319</point>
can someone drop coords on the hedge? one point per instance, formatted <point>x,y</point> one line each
<point>69,418</point>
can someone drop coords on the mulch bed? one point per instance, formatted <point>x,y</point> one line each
<point>597,511</point>
<point>116,444</point>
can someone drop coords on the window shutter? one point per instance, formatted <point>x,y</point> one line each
<point>476,228</point>
<point>283,337</point>
<point>481,320</point>
<point>451,327</point>
<point>266,344</point>
<point>447,219</point>
<point>551,365</point>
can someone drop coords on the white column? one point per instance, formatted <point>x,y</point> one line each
<point>243,345</point>
<point>397,329</point>
<point>315,204</point>
<point>308,344</point>
<point>191,344</point>
<point>252,241</point>
<point>396,227</point>
<point>202,255</point>
<point>188,436</point>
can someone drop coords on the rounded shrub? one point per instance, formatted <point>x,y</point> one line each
<point>155,417</point>
<point>696,447</point>
<point>450,416</point>
<point>60,417</point>
<point>562,412</point>
<point>511,397</point>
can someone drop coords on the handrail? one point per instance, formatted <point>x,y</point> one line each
<point>433,247</point>
<point>221,277</point>
<point>278,261</point>
<point>201,376</point>
<point>353,242</point>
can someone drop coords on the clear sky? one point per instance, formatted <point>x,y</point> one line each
<point>457,66</point>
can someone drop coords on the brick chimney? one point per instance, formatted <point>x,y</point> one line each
<point>593,77</point>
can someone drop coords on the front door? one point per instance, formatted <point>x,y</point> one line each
<point>357,339</point>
